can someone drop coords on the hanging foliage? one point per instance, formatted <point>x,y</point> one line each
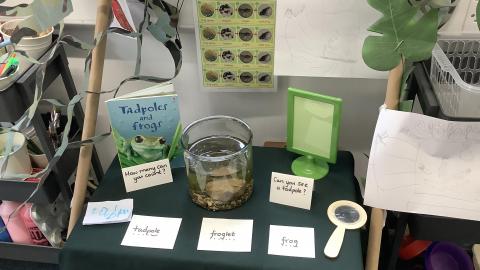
<point>404,33</point>
<point>164,28</point>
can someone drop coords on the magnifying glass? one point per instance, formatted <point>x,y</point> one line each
<point>346,215</point>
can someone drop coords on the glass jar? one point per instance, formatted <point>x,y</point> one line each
<point>218,159</point>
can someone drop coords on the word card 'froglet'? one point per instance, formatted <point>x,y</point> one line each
<point>234,235</point>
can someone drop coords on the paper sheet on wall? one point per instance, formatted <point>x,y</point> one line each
<point>421,164</point>
<point>322,38</point>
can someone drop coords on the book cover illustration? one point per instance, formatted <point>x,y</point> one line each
<point>140,149</point>
<point>143,126</point>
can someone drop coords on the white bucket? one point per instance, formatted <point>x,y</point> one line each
<point>18,159</point>
<point>33,46</point>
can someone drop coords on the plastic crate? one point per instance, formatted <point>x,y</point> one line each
<point>455,77</point>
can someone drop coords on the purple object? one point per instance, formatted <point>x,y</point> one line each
<point>447,256</point>
<point>4,236</point>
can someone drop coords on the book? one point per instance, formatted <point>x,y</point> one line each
<point>144,124</point>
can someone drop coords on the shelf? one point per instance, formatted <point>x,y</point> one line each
<point>426,227</point>
<point>31,253</point>
<point>13,102</point>
<point>48,192</point>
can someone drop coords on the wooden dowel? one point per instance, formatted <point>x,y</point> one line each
<point>392,98</point>
<point>374,239</point>
<point>91,111</point>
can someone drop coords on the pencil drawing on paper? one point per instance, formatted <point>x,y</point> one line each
<point>322,38</point>
<point>418,163</point>
<point>298,24</point>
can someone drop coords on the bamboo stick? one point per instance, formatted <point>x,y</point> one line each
<point>392,98</point>
<point>91,111</point>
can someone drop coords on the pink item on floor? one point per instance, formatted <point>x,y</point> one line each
<point>15,226</point>
<point>35,234</point>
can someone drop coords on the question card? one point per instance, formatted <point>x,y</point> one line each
<point>152,232</point>
<point>291,190</point>
<point>147,175</point>
<point>234,235</point>
<point>108,212</point>
<point>291,241</point>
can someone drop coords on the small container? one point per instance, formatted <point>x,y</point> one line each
<point>37,236</point>
<point>14,223</point>
<point>218,160</point>
<point>18,161</point>
<point>411,248</point>
<point>33,46</point>
<point>447,256</point>
<point>455,77</point>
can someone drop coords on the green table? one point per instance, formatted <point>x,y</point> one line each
<point>98,247</point>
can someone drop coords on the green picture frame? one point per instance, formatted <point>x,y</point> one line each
<point>337,105</point>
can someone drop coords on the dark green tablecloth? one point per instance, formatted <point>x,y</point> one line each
<point>98,247</point>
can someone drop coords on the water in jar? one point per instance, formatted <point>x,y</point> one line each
<point>219,172</point>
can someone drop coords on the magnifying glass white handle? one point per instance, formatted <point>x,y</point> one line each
<point>334,243</point>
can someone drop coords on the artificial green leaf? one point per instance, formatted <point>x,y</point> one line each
<point>379,53</point>
<point>405,32</point>
<point>477,15</point>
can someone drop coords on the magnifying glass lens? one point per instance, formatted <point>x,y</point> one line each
<point>347,214</point>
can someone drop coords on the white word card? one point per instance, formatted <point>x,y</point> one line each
<point>108,212</point>
<point>291,190</point>
<point>152,232</point>
<point>234,235</point>
<point>291,241</point>
<point>147,175</point>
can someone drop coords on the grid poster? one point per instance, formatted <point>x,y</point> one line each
<point>236,43</point>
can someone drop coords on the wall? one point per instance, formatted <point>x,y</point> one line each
<point>265,112</point>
